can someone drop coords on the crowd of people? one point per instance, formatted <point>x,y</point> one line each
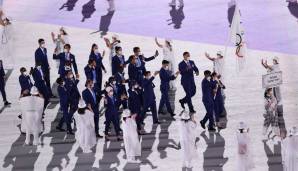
<point>127,98</point>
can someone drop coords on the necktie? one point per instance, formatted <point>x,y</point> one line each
<point>93,95</point>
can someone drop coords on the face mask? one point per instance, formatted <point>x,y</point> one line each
<point>96,51</point>
<point>167,68</point>
<point>63,83</point>
<point>148,77</point>
<point>136,86</point>
<point>188,58</point>
<point>25,73</point>
<point>120,52</point>
<point>209,78</point>
<point>65,50</point>
<point>71,76</point>
<point>43,45</point>
<point>38,67</point>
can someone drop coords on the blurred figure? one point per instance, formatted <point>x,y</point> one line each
<point>245,158</point>
<point>290,151</point>
<point>270,115</point>
<point>173,3</point>
<point>59,41</point>
<point>132,143</point>
<point>85,134</point>
<point>111,5</point>
<point>217,62</point>
<point>2,84</point>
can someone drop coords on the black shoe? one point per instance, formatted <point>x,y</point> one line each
<point>156,122</point>
<point>119,139</point>
<point>20,116</point>
<point>211,129</point>
<point>192,111</point>
<point>98,136</point>
<point>202,125</point>
<point>7,103</point>
<point>60,129</point>
<point>172,114</point>
<point>161,112</point>
<point>181,103</point>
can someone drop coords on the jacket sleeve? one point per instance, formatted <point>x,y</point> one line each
<point>75,67</point>
<point>195,68</point>
<point>146,59</point>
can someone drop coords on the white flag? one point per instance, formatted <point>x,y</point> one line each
<point>237,38</point>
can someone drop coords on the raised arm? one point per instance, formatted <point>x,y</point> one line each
<point>208,57</point>
<point>157,43</point>
<point>108,43</point>
<point>152,57</point>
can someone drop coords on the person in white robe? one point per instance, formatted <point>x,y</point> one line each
<point>85,134</point>
<point>290,151</point>
<point>244,153</point>
<point>131,140</point>
<point>168,55</point>
<point>187,139</point>
<point>218,62</point>
<point>32,109</point>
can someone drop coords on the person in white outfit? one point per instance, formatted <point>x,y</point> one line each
<point>131,140</point>
<point>173,3</point>
<point>244,153</point>
<point>115,42</point>
<point>32,109</point>
<point>218,62</point>
<point>187,139</point>
<point>168,55</point>
<point>85,134</point>
<point>290,151</point>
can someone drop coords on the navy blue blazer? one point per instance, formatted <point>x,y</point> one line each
<point>111,106</point>
<point>2,75</point>
<point>99,64</point>
<point>148,93</point>
<point>207,91</point>
<point>41,57</point>
<point>88,98</point>
<point>143,60</point>
<point>40,83</point>
<point>134,102</point>
<point>73,92</point>
<point>117,62</point>
<point>165,78</point>
<point>63,96</point>
<point>89,73</point>
<point>25,82</point>
<point>119,77</point>
<point>134,74</point>
<point>187,72</point>
<point>62,58</point>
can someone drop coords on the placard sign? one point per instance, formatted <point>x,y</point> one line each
<point>272,79</point>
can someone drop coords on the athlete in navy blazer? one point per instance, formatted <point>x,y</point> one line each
<point>2,84</point>
<point>187,68</point>
<point>67,58</point>
<point>42,58</point>
<point>118,61</point>
<point>25,82</point>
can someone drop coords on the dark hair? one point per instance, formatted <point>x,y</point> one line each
<point>213,74</point>
<point>40,41</point>
<point>90,61</point>
<point>59,81</point>
<point>131,57</point>
<point>117,48</point>
<point>266,92</point>
<point>93,46</point>
<point>67,46</point>
<point>207,73</point>
<point>165,62</point>
<point>111,79</point>
<point>135,49</point>
<point>38,63</point>
<point>185,53</point>
<point>146,73</point>
<point>87,82</point>
<point>82,110</point>
<point>22,69</point>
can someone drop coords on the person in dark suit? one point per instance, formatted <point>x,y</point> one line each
<point>89,96</point>
<point>91,74</point>
<point>73,93</point>
<point>165,78</point>
<point>208,101</point>
<point>66,58</point>
<point>187,68</point>
<point>41,57</point>
<point>134,103</point>
<point>2,84</point>
<point>25,82</point>
<point>141,59</point>
<point>134,73</point>
<point>149,98</point>
<point>64,99</point>
<point>118,61</point>
<point>95,55</point>
<point>39,83</point>
<point>121,87</point>
<point>111,113</point>
<point>218,98</point>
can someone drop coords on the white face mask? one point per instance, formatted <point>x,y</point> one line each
<point>120,52</point>
<point>96,51</point>
<point>111,93</point>
<point>167,68</point>
<point>43,45</point>
<point>71,76</point>
<point>38,67</point>
<point>65,50</point>
<point>114,82</point>
<point>25,73</point>
<point>209,78</point>
<point>136,86</point>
